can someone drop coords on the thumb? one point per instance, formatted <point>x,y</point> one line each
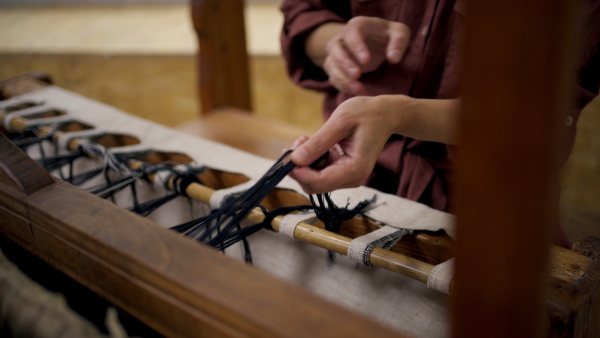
<point>315,147</point>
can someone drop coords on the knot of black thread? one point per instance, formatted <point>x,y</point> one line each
<point>333,216</point>
<point>181,182</point>
<point>221,228</point>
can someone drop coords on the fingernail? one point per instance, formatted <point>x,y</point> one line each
<point>299,156</point>
<point>353,72</point>
<point>295,144</point>
<point>298,142</point>
<point>394,55</point>
<point>362,56</point>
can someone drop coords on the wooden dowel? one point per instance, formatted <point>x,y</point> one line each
<point>17,123</point>
<point>385,259</point>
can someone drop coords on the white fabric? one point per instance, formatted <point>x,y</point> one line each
<point>13,101</point>
<point>390,298</point>
<point>221,195</point>
<point>288,224</point>
<point>441,276</point>
<point>360,248</point>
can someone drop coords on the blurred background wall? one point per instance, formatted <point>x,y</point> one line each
<point>139,55</point>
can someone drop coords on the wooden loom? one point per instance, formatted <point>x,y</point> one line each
<point>59,221</point>
<point>163,289</point>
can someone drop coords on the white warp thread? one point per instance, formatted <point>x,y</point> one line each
<point>289,223</point>
<point>221,195</point>
<point>129,149</point>
<point>17,100</point>
<point>441,276</point>
<point>360,248</point>
<point>65,138</point>
<point>49,120</point>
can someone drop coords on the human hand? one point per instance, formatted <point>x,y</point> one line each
<point>354,135</point>
<point>361,47</point>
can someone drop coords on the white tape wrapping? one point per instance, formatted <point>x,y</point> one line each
<point>441,276</point>
<point>289,223</point>
<point>385,237</point>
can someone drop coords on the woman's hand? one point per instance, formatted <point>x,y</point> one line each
<point>360,46</point>
<point>354,135</point>
<point>357,131</point>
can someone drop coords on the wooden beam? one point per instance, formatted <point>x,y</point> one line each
<point>223,79</point>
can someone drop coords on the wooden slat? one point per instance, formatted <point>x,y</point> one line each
<point>515,78</point>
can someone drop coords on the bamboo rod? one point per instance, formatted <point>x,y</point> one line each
<point>386,259</point>
<point>17,123</point>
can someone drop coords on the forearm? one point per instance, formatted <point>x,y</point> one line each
<point>434,120</point>
<point>316,42</point>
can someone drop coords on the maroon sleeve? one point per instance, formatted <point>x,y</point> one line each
<point>301,17</point>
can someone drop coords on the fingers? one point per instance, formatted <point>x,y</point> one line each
<point>340,78</point>
<point>299,142</point>
<point>354,37</point>
<point>399,37</point>
<point>342,69</point>
<point>340,174</point>
<point>326,138</point>
<point>361,47</point>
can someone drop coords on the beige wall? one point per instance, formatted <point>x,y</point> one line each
<point>161,88</point>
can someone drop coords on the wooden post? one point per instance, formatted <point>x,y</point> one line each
<point>515,78</point>
<point>223,79</point>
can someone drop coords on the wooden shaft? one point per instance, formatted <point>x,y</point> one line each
<point>331,241</point>
<point>223,71</point>
<point>19,124</point>
<point>512,123</point>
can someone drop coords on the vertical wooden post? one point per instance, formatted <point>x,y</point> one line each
<point>515,80</point>
<point>223,78</point>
